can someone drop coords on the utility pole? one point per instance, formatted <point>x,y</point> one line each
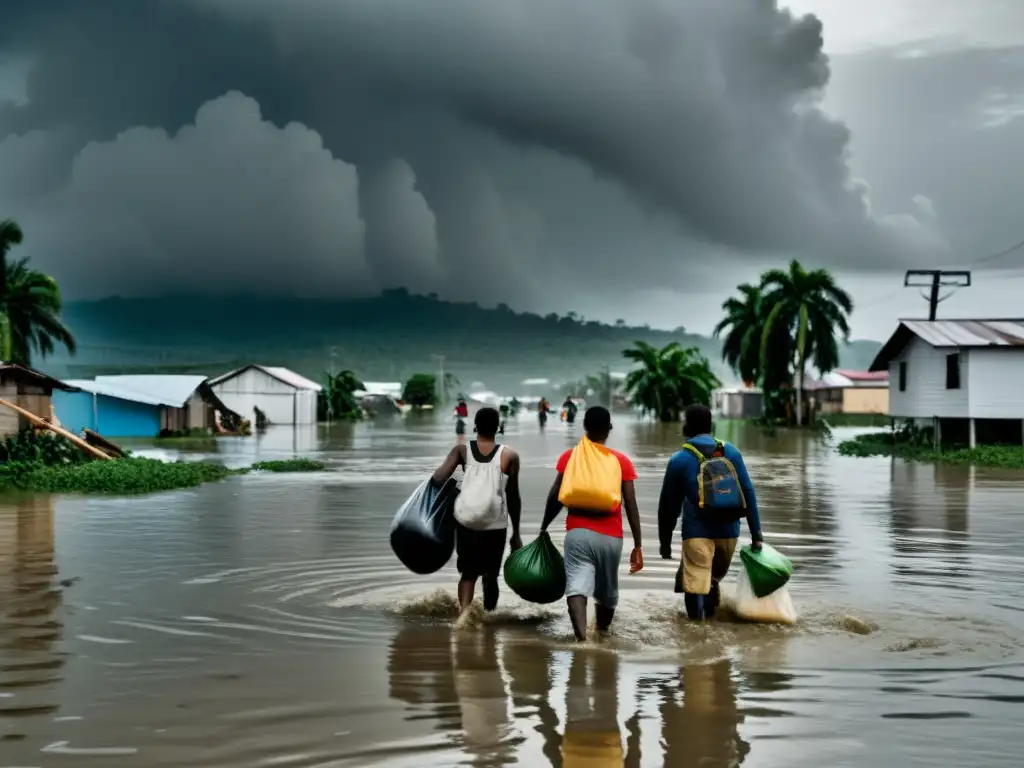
<point>934,279</point>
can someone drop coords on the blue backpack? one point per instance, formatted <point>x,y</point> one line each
<point>718,484</point>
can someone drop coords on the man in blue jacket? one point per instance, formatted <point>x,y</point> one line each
<point>709,538</point>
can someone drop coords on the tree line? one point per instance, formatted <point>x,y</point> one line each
<point>770,332</point>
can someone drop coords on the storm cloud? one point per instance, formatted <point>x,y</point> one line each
<point>481,150</point>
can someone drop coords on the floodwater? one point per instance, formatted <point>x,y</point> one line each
<point>264,621</point>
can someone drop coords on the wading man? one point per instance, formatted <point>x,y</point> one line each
<point>593,540</point>
<point>488,502</point>
<point>708,482</point>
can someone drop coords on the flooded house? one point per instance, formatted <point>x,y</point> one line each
<point>138,405</point>
<point>738,403</point>
<point>285,397</point>
<point>30,390</point>
<point>845,391</point>
<point>961,378</point>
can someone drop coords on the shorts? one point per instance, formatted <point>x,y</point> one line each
<point>479,553</point>
<point>592,566</point>
<point>705,561</point>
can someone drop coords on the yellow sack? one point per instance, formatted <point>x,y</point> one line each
<point>592,479</point>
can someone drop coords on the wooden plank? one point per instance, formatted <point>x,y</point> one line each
<point>44,424</point>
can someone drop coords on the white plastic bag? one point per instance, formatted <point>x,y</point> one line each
<point>776,608</point>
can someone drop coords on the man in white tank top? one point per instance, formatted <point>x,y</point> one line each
<point>480,551</point>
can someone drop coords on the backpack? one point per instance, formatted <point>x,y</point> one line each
<point>481,502</point>
<point>718,484</point>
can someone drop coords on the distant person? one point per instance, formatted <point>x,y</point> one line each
<point>503,411</point>
<point>461,414</point>
<point>543,408</point>
<point>479,549</point>
<point>593,540</point>
<point>569,408</point>
<point>709,534</point>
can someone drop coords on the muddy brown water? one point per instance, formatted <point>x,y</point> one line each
<point>264,621</point>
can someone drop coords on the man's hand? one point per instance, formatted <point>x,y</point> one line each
<point>636,560</point>
<point>515,543</point>
<point>755,544</point>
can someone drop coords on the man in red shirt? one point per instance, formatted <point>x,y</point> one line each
<point>593,540</point>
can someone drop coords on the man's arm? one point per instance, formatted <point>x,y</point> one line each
<point>553,506</point>
<point>452,461</point>
<point>513,498</point>
<point>670,506</point>
<point>632,512</point>
<point>753,517</point>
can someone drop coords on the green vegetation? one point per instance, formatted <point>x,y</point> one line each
<point>119,476</point>
<point>668,379</point>
<point>47,463</point>
<point>337,400</point>
<point>599,387</point>
<point>30,306</point>
<point>793,317</point>
<point>420,390</point>
<point>290,465</point>
<point>906,446</point>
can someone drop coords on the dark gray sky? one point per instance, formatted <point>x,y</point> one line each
<point>624,159</point>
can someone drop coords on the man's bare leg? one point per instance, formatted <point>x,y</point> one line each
<point>467,588</point>
<point>578,616</point>
<point>604,617</point>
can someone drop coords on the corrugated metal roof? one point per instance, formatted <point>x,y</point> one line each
<point>285,375</point>
<point>968,333</point>
<point>171,389</point>
<point>291,377</point>
<point>110,389</point>
<point>865,376</point>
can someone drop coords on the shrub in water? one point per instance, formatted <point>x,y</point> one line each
<point>290,465</point>
<point>121,476</point>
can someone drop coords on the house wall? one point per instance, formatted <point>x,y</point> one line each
<point>868,399</point>
<point>33,399</point>
<point>110,416</point>
<point>996,383</point>
<point>281,402</point>
<point>198,413</point>
<point>926,394</point>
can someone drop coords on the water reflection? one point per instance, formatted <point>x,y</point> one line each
<point>30,596</point>
<point>593,737</point>
<point>929,523</point>
<point>483,700</point>
<point>699,717</point>
<point>531,667</point>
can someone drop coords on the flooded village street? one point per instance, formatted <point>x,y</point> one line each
<point>265,621</point>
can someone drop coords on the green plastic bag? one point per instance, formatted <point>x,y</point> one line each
<point>768,569</point>
<point>537,571</point>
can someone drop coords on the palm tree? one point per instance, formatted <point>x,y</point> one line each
<point>30,307</point>
<point>742,325</point>
<point>668,379</point>
<point>812,309</point>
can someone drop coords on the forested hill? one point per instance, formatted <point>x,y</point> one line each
<point>386,338</point>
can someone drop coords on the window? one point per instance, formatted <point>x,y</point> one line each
<point>953,371</point>
<point>903,377</point>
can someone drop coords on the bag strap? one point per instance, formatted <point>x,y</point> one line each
<point>695,451</point>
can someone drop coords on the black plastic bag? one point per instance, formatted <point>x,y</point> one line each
<point>423,531</point>
<point>537,571</point>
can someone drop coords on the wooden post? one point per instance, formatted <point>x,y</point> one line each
<point>44,424</point>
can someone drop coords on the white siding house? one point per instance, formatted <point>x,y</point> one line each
<point>283,395</point>
<point>964,377</point>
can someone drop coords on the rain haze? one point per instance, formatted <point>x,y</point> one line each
<point>623,160</point>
